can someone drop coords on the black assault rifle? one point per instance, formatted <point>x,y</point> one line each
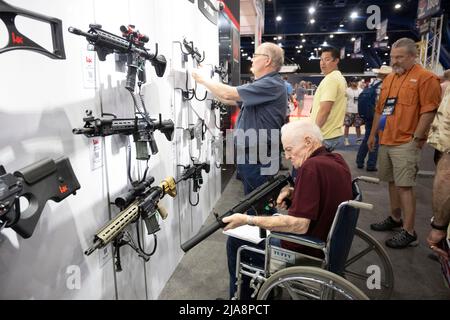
<point>259,199</point>
<point>141,201</point>
<point>39,182</point>
<point>131,43</point>
<point>194,172</point>
<point>141,129</point>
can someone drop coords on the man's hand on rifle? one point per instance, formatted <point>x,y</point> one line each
<point>286,193</point>
<point>235,220</point>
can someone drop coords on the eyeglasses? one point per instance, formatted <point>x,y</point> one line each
<point>259,54</point>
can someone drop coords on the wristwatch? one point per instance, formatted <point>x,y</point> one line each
<point>250,220</point>
<point>441,228</point>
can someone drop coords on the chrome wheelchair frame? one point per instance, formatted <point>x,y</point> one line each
<point>334,276</point>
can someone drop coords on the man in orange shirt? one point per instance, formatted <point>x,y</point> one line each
<point>408,101</point>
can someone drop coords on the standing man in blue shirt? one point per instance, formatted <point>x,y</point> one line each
<point>263,105</point>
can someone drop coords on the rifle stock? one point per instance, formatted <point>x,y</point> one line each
<point>39,182</point>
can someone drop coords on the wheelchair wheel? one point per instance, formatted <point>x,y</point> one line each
<point>369,267</point>
<point>308,283</point>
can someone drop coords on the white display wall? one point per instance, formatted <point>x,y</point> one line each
<point>43,99</point>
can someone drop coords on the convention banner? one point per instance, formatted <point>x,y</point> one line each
<point>357,47</point>
<point>423,26</point>
<point>426,8</point>
<point>382,30</point>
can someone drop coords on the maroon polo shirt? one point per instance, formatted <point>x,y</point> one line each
<point>323,182</point>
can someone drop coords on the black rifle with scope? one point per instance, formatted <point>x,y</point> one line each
<point>140,201</point>
<point>39,182</point>
<point>131,43</point>
<point>259,199</point>
<point>141,129</point>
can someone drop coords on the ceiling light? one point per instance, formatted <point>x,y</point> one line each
<point>348,54</point>
<point>280,37</point>
<point>280,44</point>
<point>369,46</point>
<point>303,40</point>
<point>253,42</point>
<point>398,6</point>
<point>386,54</point>
<point>354,15</point>
<point>325,43</point>
<point>312,21</point>
<point>298,51</point>
<point>353,39</point>
<point>331,36</point>
<point>279,18</point>
<point>311,10</point>
<point>301,47</point>
<point>385,38</point>
<point>384,63</point>
<point>301,34</point>
<point>242,50</point>
<point>341,25</point>
<point>320,48</point>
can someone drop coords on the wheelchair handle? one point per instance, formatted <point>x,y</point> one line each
<point>360,205</point>
<point>368,179</point>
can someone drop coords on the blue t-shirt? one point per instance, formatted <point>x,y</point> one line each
<point>289,88</point>
<point>264,103</point>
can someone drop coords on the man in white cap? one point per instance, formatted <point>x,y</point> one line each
<point>366,109</point>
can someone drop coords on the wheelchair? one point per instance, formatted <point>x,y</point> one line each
<point>355,266</point>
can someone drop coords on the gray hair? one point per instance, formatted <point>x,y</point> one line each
<point>300,128</point>
<point>407,43</point>
<point>275,53</point>
<point>446,74</point>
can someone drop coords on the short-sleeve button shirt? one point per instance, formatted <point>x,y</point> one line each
<point>418,92</point>
<point>264,103</point>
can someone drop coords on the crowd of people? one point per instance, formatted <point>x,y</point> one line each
<point>404,106</point>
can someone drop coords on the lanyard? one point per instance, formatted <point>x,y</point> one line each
<point>401,85</point>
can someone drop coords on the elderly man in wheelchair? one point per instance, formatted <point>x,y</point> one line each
<point>317,231</point>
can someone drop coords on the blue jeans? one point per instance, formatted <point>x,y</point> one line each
<point>331,144</point>
<point>364,150</point>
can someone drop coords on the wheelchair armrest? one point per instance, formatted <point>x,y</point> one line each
<point>299,239</point>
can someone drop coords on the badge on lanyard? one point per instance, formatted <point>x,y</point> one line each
<point>388,110</point>
<point>389,106</point>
